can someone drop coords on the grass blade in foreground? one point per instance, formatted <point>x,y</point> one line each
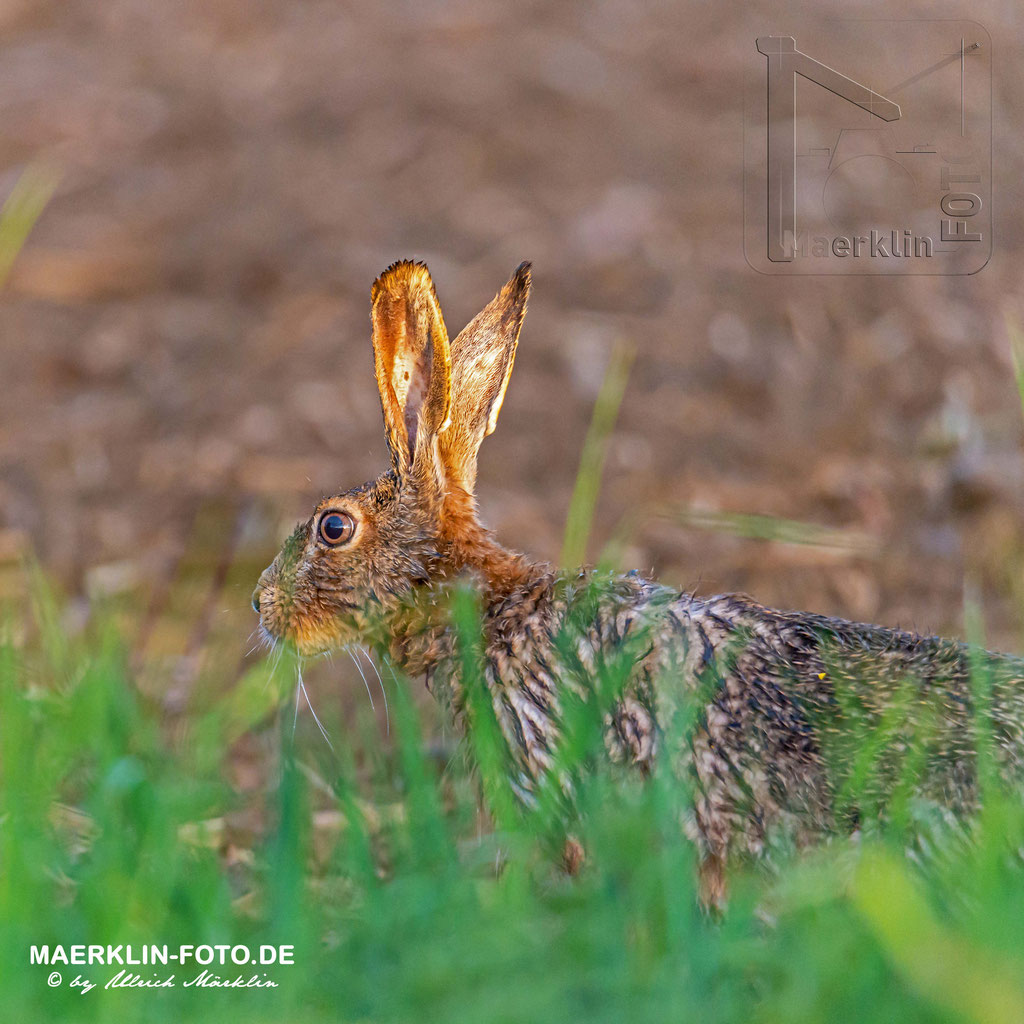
<point>595,448</point>
<point>21,210</point>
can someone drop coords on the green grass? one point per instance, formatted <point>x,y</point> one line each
<point>1013,328</point>
<point>20,211</point>
<point>424,909</point>
<point>592,459</point>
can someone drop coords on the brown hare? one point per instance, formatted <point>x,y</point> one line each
<point>373,565</point>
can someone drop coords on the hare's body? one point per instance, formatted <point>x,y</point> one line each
<point>772,694</point>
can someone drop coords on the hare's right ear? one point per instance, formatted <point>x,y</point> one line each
<point>412,360</point>
<point>482,358</point>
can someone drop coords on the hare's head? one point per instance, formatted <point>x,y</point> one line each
<point>365,552</point>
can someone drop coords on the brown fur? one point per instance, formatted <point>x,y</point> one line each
<point>784,687</point>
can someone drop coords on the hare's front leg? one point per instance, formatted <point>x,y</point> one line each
<point>716,814</point>
<point>757,772</point>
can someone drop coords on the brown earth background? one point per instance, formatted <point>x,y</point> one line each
<point>185,358</point>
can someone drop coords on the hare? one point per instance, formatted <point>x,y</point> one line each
<point>372,565</point>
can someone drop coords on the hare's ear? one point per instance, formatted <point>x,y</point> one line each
<point>412,361</point>
<point>482,357</point>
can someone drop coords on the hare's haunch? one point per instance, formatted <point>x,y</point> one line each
<point>373,565</point>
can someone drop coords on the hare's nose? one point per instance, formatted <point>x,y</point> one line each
<point>256,599</point>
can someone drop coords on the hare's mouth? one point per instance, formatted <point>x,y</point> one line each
<point>311,643</point>
<point>323,633</point>
<point>308,641</point>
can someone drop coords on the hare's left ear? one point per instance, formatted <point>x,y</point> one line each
<point>482,358</point>
<point>412,361</point>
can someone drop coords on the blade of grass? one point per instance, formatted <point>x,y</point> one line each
<point>972,982</point>
<point>483,729</point>
<point>595,449</point>
<point>981,688</point>
<point>749,526</point>
<point>1016,333</point>
<point>773,528</point>
<point>21,210</point>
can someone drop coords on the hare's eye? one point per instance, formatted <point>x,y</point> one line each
<point>337,528</point>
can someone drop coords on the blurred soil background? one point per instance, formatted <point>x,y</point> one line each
<point>185,357</point>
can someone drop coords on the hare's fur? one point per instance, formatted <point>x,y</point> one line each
<point>775,689</point>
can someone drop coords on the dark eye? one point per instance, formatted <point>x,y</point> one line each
<point>337,528</point>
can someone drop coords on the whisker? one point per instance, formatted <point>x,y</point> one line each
<point>359,669</point>
<point>391,668</point>
<point>387,714</point>
<point>263,638</point>
<point>277,662</point>
<point>319,724</point>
